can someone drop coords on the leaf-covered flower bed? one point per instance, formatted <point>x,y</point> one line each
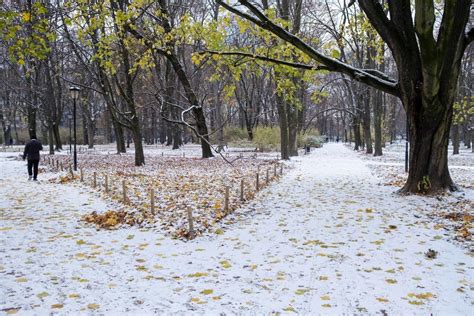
<point>180,186</point>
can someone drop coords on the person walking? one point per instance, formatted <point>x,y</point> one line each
<point>32,152</point>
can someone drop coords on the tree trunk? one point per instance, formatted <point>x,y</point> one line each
<point>455,139</point>
<point>429,136</point>
<point>357,136</point>
<point>366,123</point>
<point>292,117</point>
<point>90,132</point>
<point>51,138</point>
<point>283,128</point>
<point>377,122</point>
<point>57,137</point>
<point>137,142</point>
<point>119,137</point>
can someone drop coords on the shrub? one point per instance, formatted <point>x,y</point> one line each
<point>312,139</point>
<point>267,138</point>
<point>235,134</point>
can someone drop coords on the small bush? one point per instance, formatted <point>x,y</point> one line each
<point>266,138</point>
<point>235,134</point>
<point>312,139</point>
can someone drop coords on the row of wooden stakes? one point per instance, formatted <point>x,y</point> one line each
<point>258,186</point>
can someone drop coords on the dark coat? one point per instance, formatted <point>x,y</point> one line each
<point>32,150</point>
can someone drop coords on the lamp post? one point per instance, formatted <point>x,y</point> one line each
<point>74,94</point>
<point>69,116</point>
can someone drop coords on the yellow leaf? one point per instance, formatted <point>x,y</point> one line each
<point>80,242</point>
<point>391,281</point>
<point>416,302</point>
<point>42,294</point>
<point>326,305</point>
<point>323,278</point>
<point>207,292</point>
<point>198,275</point>
<point>325,298</point>
<point>21,280</point>
<point>289,309</point>
<point>381,299</point>
<point>93,306</point>
<point>57,306</point>
<point>301,291</point>
<point>11,311</point>
<point>225,264</point>
<point>422,296</point>
<point>219,231</point>
<point>73,295</point>
<point>26,16</point>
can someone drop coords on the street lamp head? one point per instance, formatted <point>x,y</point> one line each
<point>74,92</point>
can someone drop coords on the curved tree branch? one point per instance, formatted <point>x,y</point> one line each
<point>265,58</point>
<point>332,64</point>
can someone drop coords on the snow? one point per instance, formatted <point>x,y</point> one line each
<point>329,238</point>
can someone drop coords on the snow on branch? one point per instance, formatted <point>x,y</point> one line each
<point>260,19</point>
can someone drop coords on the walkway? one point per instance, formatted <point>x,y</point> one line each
<point>327,239</point>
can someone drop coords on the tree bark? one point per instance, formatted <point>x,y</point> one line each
<point>429,137</point>
<point>455,139</point>
<point>285,154</point>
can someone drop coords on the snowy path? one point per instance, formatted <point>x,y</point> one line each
<point>327,239</point>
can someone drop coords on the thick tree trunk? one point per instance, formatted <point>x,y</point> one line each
<point>429,137</point>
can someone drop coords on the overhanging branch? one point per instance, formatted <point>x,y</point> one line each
<point>260,19</point>
<point>265,58</point>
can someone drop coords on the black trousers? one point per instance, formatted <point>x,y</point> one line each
<point>33,164</point>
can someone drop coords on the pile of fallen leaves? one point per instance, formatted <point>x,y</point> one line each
<point>178,184</point>
<point>110,219</point>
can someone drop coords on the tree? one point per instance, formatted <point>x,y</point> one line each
<point>428,70</point>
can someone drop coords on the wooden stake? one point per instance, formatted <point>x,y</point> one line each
<point>275,171</point>
<point>226,200</point>
<point>281,170</point>
<point>106,184</point>
<point>257,184</point>
<point>124,189</point>
<point>190,223</point>
<point>267,179</point>
<point>82,175</point>
<point>94,181</point>
<point>152,201</point>
<point>61,164</point>
<point>57,164</point>
<point>242,189</point>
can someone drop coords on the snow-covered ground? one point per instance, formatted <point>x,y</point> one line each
<point>329,238</point>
